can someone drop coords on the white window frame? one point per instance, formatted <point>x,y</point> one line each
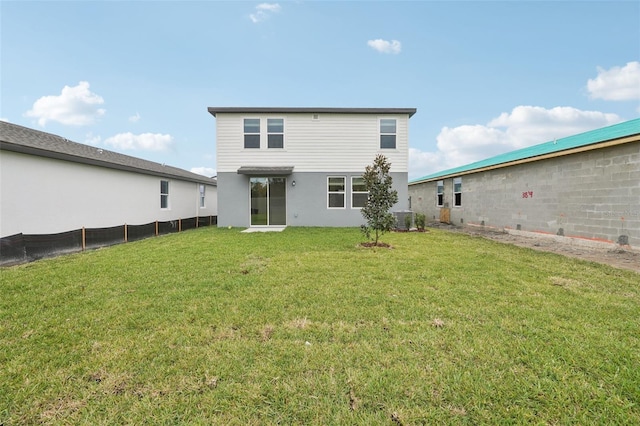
<point>394,133</point>
<point>343,192</point>
<point>275,133</point>
<point>354,192</point>
<point>202,190</point>
<point>457,180</point>
<point>440,193</point>
<point>245,133</point>
<point>164,196</point>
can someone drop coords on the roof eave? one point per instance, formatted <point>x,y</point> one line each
<point>590,147</point>
<point>261,110</point>
<point>22,149</point>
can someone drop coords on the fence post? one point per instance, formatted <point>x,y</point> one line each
<point>179,224</point>
<point>84,239</point>
<point>156,228</point>
<point>125,233</point>
<point>197,220</point>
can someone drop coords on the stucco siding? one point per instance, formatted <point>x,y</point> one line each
<point>42,196</point>
<point>306,201</point>
<point>593,195</point>
<point>330,143</point>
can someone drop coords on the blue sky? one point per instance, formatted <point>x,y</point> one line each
<point>486,77</point>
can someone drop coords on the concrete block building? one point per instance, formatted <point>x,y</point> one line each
<point>303,166</point>
<point>585,187</point>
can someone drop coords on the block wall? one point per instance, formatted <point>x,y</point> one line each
<point>593,195</point>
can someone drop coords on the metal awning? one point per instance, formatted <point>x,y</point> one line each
<point>265,171</point>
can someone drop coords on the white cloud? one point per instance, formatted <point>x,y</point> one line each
<point>135,118</point>
<point>91,139</point>
<point>617,83</point>
<point>204,171</point>
<point>144,141</point>
<point>385,46</point>
<point>76,106</point>
<point>524,126</point>
<point>263,11</point>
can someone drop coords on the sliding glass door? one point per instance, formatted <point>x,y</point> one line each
<point>268,201</point>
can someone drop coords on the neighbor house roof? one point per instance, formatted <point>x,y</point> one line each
<point>29,141</point>
<point>286,110</point>
<point>626,132</point>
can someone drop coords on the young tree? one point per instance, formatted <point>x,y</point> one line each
<point>381,199</point>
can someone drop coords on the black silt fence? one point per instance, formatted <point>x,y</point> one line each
<point>103,237</point>
<point>168,227</point>
<point>40,246</point>
<point>22,248</point>
<point>12,249</point>
<point>191,223</point>
<point>140,232</point>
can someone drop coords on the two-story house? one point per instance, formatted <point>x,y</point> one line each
<point>303,166</point>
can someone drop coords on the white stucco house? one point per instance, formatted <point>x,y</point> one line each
<point>50,185</point>
<point>303,166</point>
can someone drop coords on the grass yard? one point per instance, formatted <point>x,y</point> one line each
<point>213,326</point>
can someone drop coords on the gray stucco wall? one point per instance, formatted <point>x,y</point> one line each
<point>593,195</point>
<point>43,195</point>
<point>306,201</point>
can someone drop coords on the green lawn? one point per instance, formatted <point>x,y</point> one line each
<point>213,326</point>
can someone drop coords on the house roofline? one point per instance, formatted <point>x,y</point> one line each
<point>59,148</point>
<point>253,110</point>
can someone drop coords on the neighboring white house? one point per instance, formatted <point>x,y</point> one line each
<point>303,166</point>
<point>585,187</point>
<point>50,185</point>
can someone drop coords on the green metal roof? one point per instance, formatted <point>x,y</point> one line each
<point>616,131</point>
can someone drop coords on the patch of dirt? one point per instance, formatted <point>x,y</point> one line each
<point>616,256</point>
<point>373,244</point>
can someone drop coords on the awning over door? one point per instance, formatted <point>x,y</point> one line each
<point>265,171</point>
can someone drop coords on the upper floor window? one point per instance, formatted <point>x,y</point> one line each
<point>387,133</point>
<point>336,192</point>
<point>252,133</point>
<point>359,193</point>
<point>457,192</point>
<point>164,194</point>
<point>440,193</point>
<point>202,191</point>
<point>275,133</point>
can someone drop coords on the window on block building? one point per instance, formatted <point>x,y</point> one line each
<point>336,192</point>
<point>440,193</point>
<point>457,192</point>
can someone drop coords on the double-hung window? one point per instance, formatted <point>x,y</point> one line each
<point>164,194</point>
<point>252,133</point>
<point>457,192</point>
<point>275,133</point>
<point>359,193</point>
<point>440,193</point>
<point>336,192</point>
<point>202,191</point>
<point>388,133</point>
